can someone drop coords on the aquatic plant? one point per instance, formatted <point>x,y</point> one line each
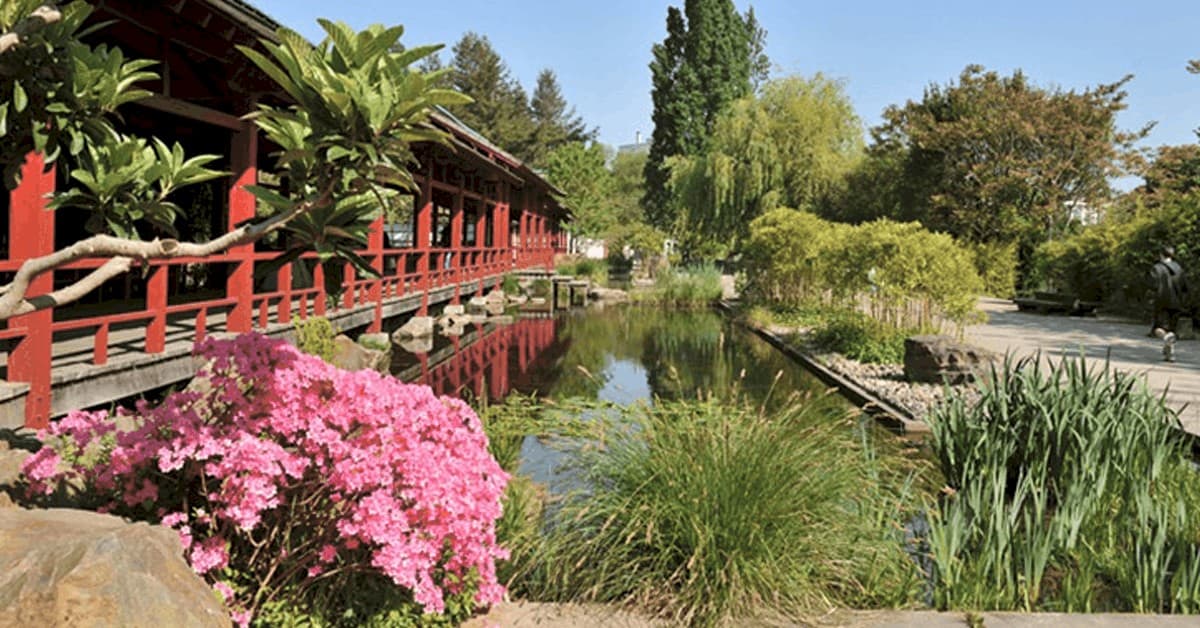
<point>706,512</point>
<point>1068,488</point>
<point>291,482</point>
<point>696,286</point>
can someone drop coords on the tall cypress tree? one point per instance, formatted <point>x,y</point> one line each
<point>706,62</point>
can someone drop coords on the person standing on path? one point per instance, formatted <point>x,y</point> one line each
<point>1170,298</point>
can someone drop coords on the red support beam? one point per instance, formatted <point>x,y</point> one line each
<point>456,244</point>
<point>31,234</point>
<point>156,304</point>
<point>240,285</point>
<point>423,235</point>
<point>375,249</point>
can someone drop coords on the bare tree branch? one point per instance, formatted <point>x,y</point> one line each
<point>36,21</point>
<point>123,254</point>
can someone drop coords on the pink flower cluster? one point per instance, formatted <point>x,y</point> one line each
<point>353,466</point>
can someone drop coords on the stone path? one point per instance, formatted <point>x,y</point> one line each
<point>1124,342</point>
<point>531,615</point>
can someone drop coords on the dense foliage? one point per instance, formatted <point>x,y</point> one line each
<point>500,108</point>
<point>997,158</point>
<point>279,505</point>
<point>788,146</point>
<point>906,275</point>
<point>1068,489</point>
<point>707,61</point>
<point>582,173</point>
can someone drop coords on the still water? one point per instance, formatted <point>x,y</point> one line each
<point>621,355</point>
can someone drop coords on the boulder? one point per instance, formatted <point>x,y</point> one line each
<point>418,345</point>
<point>942,359</point>
<point>454,310</point>
<point>518,299</point>
<point>416,327</point>
<point>454,330</point>
<point>352,356</point>
<point>378,342</point>
<point>609,295</point>
<point>78,568</point>
<point>10,473</point>
<point>477,305</point>
<point>448,321</point>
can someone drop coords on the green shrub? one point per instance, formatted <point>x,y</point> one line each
<point>374,345</point>
<point>996,264</point>
<point>315,335</point>
<point>861,337</point>
<point>1068,489</point>
<point>540,288</point>
<point>595,270</point>
<point>710,513</point>
<point>510,284</point>
<point>909,276</point>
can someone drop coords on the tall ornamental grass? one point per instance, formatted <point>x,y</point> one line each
<point>1068,489</point>
<point>695,286</point>
<point>708,513</point>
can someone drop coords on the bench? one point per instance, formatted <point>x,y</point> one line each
<point>1054,303</point>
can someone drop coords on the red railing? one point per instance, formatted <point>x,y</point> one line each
<point>482,367</point>
<point>405,272</point>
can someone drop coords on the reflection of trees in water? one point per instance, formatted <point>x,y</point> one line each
<point>684,353</point>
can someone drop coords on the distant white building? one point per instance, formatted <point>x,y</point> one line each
<point>639,145</point>
<point>1083,213</point>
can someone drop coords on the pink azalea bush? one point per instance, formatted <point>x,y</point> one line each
<point>281,473</point>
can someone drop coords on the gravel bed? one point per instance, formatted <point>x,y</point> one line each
<point>885,381</point>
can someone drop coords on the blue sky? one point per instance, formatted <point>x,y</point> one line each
<point>886,51</point>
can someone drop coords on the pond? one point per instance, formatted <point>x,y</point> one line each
<point>621,355</point>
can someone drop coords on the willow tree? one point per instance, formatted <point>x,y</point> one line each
<point>357,107</point>
<point>788,147</point>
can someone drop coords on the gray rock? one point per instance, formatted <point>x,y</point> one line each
<point>454,330</point>
<point>518,299</point>
<point>378,342</point>
<point>418,345</point>
<point>453,320</point>
<point>454,310</point>
<point>609,295</point>
<point>352,356</point>
<point>10,473</point>
<point>78,568</point>
<point>416,327</point>
<point>942,359</point>
<point>477,305</point>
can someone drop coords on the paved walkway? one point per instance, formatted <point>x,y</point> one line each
<point>535,615</point>
<point>1124,342</point>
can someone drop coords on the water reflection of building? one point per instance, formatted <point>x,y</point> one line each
<point>490,361</point>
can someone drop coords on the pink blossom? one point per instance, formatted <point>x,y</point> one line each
<point>406,476</point>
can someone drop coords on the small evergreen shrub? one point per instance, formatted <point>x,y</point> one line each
<point>510,284</point>
<point>315,335</point>
<point>861,337</point>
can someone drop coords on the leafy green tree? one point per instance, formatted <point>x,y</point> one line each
<point>997,158</point>
<point>580,171</point>
<point>791,146</point>
<point>629,179</point>
<point>499,107</point>
<point>1175,171</point>
<point>556,123</point>
<point>706,62</point>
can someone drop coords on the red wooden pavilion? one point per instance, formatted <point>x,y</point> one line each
<point>479,214</point>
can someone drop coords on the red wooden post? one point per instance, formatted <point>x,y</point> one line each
<point>156,304</point>
<point>456,243</point>
<point>264,313</point>
<point>375,249</point>
<point>319,283</point>
<point>100,348</point>
<point>284,279</point>
<point>240,285</point>
<point>201,324</point>
<point>422,235</point>
<point>349,290</point>
<point>31,234</point>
